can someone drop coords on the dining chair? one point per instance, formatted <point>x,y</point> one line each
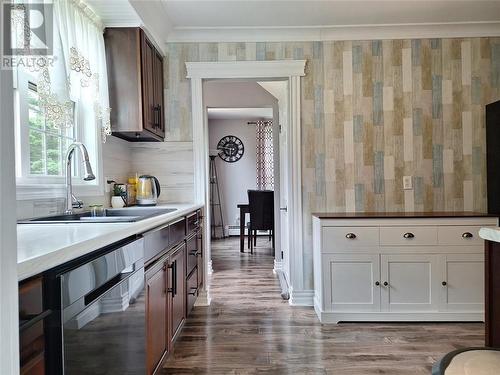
<point>261,207</point>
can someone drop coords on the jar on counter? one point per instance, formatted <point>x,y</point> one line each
<point>96,210</point>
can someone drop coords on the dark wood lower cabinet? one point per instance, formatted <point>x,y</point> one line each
<point>165,305</point>
<point>157,328</point>
<point>172,278</point>
<point>200,265</point>
<point>32,327</point>
<point>492,293</point>
<point>191,291</point>
<point>178,290</point>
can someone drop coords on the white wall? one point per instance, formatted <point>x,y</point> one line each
<point>234,178</point>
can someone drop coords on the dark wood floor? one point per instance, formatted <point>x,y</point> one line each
<point>249,329</point>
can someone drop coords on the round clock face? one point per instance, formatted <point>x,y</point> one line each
<point>232,148</point>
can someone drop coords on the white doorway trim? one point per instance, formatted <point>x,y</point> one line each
<point>291,70</point>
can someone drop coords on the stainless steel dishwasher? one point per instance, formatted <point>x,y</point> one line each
<point>102,314</point>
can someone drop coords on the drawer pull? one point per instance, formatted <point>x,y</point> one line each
<point>377,283</point>
<point>194,253</point>
<point>408,235</point>
<point>467,235</point>
<point>386,283</point>
<point>444,283</point>
<point>350,236</point>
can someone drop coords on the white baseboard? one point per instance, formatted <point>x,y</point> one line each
<point>203,298</point>
<point>411,316</point>
<point>301,297</point>
<point>278,265</point>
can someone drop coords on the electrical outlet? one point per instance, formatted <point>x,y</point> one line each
<point>407,182</point>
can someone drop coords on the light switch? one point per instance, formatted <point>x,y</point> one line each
<point>407,182</point>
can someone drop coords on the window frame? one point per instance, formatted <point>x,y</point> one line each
<point>43,187</point>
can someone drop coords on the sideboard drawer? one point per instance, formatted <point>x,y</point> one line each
<point>459,235</point>
<point>408,236</point>
<point>339,238</point>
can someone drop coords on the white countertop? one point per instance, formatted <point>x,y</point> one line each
<point>41,247</point>
<point>490,234</point>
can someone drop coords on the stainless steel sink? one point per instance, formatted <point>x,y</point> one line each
<point>111,215</point>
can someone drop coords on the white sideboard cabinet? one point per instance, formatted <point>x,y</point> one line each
<point>412,267</point>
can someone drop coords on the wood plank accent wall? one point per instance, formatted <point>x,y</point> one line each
<point>372,112</point>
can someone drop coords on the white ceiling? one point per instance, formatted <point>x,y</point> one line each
<point>240,113</point>
<point>255,13</point>
<point>297,20</point>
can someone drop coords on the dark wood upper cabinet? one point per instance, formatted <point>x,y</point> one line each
<point>135,78</point>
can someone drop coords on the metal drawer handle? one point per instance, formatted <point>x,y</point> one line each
<point>377,283</point>
<point>444,283</point>
<point>467,235</point>
<point>350,236</point>
<point>386,283</point>
<point>408,235</point>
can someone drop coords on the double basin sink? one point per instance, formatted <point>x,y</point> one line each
<point>110,215</point>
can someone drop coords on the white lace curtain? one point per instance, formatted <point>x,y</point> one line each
<point>85,61</point>
<point>77,73</point>
<point>265,155</point>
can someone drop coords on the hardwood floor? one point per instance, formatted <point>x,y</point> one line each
<point>249,329</point>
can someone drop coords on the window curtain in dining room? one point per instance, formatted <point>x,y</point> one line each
<point>265,155</point>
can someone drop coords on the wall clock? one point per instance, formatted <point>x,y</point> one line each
<point>231,148</point>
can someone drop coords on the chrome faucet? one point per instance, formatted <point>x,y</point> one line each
<point>88,175</point>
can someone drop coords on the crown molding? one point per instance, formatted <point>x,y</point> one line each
<point>330,33</point>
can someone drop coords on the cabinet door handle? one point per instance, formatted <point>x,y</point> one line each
<point>386,283</point>
<point>377,283</point>
<point>408,235</point>
<point>467,235</point>
<point>193,291</point>
<point>194,253</point>
<point>160,123</point>
<point>350,236</point>
<point>444,283</point>
<point>174,279</point>
<point>171,267</point>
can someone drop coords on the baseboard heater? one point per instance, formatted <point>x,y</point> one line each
<point>234,230</point>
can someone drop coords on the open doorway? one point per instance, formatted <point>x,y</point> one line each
<point>243,118</point>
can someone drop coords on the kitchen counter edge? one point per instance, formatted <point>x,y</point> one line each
<point>45,261</point>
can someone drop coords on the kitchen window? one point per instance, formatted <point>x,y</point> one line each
<point>41,146</point>
<point>47,143</point>
<point>60,99</point>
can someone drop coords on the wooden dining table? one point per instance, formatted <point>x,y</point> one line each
<point>244,209</point>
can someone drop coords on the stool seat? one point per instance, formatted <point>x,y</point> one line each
<point>469,361</point>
